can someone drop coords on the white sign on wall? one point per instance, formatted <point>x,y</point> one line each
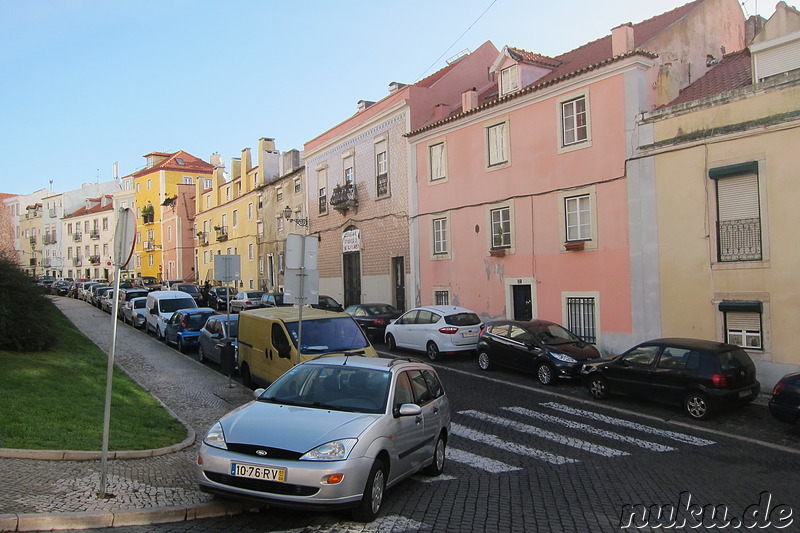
<point>351,240</point>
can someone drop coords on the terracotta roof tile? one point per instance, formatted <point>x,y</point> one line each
<point>190,164</point>
<point>523,56</point>
<point>733,71</point>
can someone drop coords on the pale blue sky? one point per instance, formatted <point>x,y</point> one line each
<point>85,83</point>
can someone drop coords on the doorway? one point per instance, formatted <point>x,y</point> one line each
<point>399,282</point>
<point>352,278</point>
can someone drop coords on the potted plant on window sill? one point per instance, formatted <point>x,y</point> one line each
<point>574,246</point>
<point>497,252</point>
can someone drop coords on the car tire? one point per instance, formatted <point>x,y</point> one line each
<point>391,342</point>
<point>160,336</point>
<point>484,360</point>
<point>697,406</point>
<point>598,387</point>
<point>371,501</point>
<point>200,355</point>
<point>437,466</point>
<point>247,379</point>
<point>432,350</point>
<point>179,345</point>
<point>545,374</point>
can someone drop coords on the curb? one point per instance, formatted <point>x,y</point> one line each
<point>104,519</point>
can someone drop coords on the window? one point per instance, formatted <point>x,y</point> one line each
<point>501,227</point>
<point>578,218</point>
<point>235,217</point>
<point>261,266</point>
<point>743,324</point>
<point>581,318</point>
<point>323,201</point>
<point>250,211</point>
<point>150,260</point>
<point>105,223</point>
<point>348,175</point>
<point>138,188</point>
<point>438,161</point>
<point>208,201</point>
<point>322,184</point>
<point>207,184</point>
<point>738,213</point>
<point>149,184</point>
<point>509,80</point>
<point>188,180</point>
<point>441,297</point>
<point>440,236</point>
<point>642,357</point>
<point>279,194</point>
<point>497,144</point>
<point>250,252</point>
<point>169,234</point>
<point>227,194</point>
<point>574,126</point>
<point>69,229</point>
<point>297,186</point>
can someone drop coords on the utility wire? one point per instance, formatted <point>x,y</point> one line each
<point>454,42</point>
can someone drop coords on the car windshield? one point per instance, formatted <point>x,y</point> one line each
<point>189,289</point>
<point>139,304</point>
<point>324,335</point>
<point>380,309</point>
<point>333,387</point>
<point>173,304</point>
<point>463,319</point>
<point>553,334</point>
<point>253,294</point>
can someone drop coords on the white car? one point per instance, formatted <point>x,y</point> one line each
<point>435,329</point>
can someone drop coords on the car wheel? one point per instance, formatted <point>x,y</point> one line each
<point>598,387</point>
<point>160,336</point>
<point>433,351</point>
<point>372,499</point>
<point>179,345</point>
<point>200,355</point>
<point>696,404</point>
<point>544,373</point>
<point>247,379</point>
<point>437,466</point>
<point>391,342</point>
<point>484,361</point>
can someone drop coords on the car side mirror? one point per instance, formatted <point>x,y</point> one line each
<point>407,409</point>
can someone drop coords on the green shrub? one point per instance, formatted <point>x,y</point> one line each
<point>26,316</point>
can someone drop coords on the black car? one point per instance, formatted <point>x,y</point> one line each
<point>785,402</point>
<point>218,297</point>
<point>539,346</point>
<point>214,335</point>
<point>326,303</point>
<point>273,299</point>
<point>373,318</point>
<point>189,288</point>
<point>702,376</point>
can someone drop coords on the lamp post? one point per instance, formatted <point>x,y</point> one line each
<point>287,214</point>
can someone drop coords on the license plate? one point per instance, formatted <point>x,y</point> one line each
<point>266,473</point>
<point>745,393</point>
<point>469,334</point>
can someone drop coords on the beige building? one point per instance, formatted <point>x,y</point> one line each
<point>723,163</point>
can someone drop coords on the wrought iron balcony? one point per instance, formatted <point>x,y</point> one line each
<point>739,240</point>
<point>94,234</point>
<point>344,197</point>
<point>222,233</point>
<point>202,238</point>
<point>149,245</point>
<point>94,259</point>
<point>33,240</point>
<point>77,236</point>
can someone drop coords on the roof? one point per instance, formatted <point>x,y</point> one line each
<point>695,344</point>
<point>180,161</point>
<point>733,72</point>
<point>585,58</point>
<point>95,209</point>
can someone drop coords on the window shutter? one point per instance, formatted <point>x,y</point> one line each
<point>743,321</point>
<point>737,197</point>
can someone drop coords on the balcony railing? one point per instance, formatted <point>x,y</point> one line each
<point>46,262</point>
<point>149,245</point>
<point>33,240</point>
<point>222,233</point>
<point>202,238</point>
<point>147,218</point>
<point>739,240</point>
<point>94,234</point>
<point>344,197</point>
<point>94,259</point>
<point>49,238</point>
<point>77,237</point>
<point>53,212</point>
<point>77,261</point>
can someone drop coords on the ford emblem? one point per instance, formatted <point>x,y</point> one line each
<point>262,453</point>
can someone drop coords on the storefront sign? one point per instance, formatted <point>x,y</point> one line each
<point>351,241</point>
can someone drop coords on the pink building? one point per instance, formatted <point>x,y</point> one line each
<point>527,201</point>
<point>177,225</point>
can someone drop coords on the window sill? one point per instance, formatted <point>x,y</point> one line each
<point>497,252</point>
<point>574,246</point>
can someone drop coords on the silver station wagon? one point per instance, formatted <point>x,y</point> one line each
<point>333,432</point>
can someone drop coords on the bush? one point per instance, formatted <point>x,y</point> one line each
<point>26,316</point>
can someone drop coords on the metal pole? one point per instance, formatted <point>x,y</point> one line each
<point>109,381</point>
<point>302,298</point>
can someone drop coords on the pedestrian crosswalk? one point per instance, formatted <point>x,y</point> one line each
<point>533,432</point>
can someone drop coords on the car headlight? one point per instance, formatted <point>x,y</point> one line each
<point>336,450</point>
<point>563,357</point>
<point>216,437</point>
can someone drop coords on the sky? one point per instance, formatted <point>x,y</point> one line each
<point>86,83</point>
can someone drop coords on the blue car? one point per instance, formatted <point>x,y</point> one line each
<point>183,329</point>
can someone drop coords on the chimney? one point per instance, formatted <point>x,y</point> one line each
<point>440,111</point>
<point>622,39</point>
<point>395,86</point>
<point>752,27</point>
<point>363,104</point>
<point>469,99</point>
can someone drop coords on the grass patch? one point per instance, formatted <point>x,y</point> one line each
<point>55,399</point>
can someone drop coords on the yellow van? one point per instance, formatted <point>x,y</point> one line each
<point>269,340</point>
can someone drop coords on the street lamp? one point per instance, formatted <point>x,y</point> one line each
<point>287,214</point>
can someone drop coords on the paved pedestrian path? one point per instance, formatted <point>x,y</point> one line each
<point>42,493</point>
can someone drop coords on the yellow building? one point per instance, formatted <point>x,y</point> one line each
<point>227,215</point>
<point>155,183</point>
<point>721,170</point>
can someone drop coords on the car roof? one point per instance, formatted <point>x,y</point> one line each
<point>694,344</point>
<point>444,309</point>
<point>291,314</point>
<point>523,323</point>
<point>197,310</point>
<point>361,361</point>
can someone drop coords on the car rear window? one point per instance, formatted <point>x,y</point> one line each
<point>173,304</point>
<point>463,319</point>
<point>190,289</point>
<point>197,320</point>
<point>734,360</point>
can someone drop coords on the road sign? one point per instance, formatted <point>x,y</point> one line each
<point>227,268</point>
<point>301,251</point>
<point>295,292</point>
<point>124,237</point>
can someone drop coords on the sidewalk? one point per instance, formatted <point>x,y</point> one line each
<point>55,490</point>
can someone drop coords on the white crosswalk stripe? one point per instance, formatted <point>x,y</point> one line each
<point>571,424</point>
<point>548,435</point>
<point>492,440</point>
<point>674,435</point>
<point>483,463</point>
